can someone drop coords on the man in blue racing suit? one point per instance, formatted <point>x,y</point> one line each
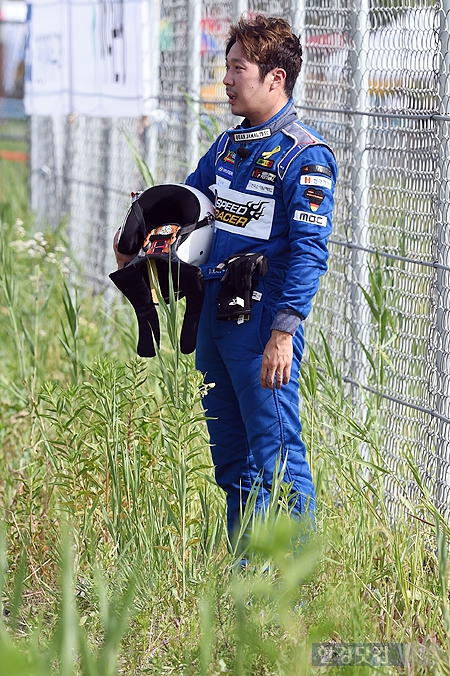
<point>272,181</point>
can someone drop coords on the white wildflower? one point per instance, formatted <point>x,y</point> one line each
<point>18,228</point>
<point>64,269</point>
<point>39,237</point>
<point>34,250</point>
<point>18,245</point>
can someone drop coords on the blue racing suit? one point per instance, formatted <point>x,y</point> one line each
<point>272,187</point>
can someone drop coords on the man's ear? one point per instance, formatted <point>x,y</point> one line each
<point>278,76</point>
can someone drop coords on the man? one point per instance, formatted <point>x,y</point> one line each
<point>272,181</point>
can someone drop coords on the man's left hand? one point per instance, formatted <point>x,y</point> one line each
<point>122,259</point>
<point>277,360</point>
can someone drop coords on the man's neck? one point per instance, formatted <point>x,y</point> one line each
<point>260,121</point>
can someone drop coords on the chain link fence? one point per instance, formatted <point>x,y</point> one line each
<point>376,85</point>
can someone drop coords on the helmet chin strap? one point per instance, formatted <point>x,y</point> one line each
<point>152,277</point>
<point>131,283</point>
<point>135,282</point>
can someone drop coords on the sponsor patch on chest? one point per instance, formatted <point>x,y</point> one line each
<point>257,186</point>
<point>224,170</point>
<point>243,214</point>
<point>263,162</point>
<point>230,157</point>
<point>220,180</point>
<point>264,175</point>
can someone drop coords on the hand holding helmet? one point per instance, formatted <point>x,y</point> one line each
<point>172,227</point>
<point>122,259</point>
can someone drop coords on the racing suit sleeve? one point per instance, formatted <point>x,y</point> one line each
<point>308,189</point>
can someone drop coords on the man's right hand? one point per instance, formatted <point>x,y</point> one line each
<point>277,360</point>
<point>121,258</point>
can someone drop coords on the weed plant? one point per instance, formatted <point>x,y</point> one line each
<point>114,556</point>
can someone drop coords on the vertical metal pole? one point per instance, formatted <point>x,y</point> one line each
<point>151,17</point>
<point>360,184</point>
<point>443,277</point>
<point>70,37</point>
<point>297,12</point>
<point>194,44</point>
<point>239,8</point>
<point>40,172</point>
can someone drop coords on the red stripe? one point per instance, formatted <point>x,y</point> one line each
<point>14,155</point>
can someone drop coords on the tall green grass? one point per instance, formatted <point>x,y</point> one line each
<point>114,556</point>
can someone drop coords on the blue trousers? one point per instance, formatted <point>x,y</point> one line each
<point>250,427</point>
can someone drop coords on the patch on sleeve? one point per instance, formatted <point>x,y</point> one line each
<point>320,181</point>
<point>315,197</point>
<point>316,169</point>
<point>313,219</point>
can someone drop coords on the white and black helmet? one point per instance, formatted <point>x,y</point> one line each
<point>169,218</point>
<point>171,226</point>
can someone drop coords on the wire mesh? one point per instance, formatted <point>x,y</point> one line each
<point>382,70</point>
<point>82,172</point>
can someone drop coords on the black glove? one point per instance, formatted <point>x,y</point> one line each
<point>236,286</point>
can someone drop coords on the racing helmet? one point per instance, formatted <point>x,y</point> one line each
<point>167,219</point>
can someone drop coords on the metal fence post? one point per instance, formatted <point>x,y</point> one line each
<point>151,16</point>
<point>239,7</point>
<point>194,38</point>
<point>297,14</point>
<point>360,183</point>
<point>40,172</point>
<point>443,276</point>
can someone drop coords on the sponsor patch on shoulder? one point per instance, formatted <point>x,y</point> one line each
<point>321,181</point>
<point>315,197</point>
<point>307,217</point>
<point>315,169</point>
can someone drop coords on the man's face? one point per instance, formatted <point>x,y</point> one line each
<point>247,95</point>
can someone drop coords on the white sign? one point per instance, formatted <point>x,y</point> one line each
<point>85,57</point>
